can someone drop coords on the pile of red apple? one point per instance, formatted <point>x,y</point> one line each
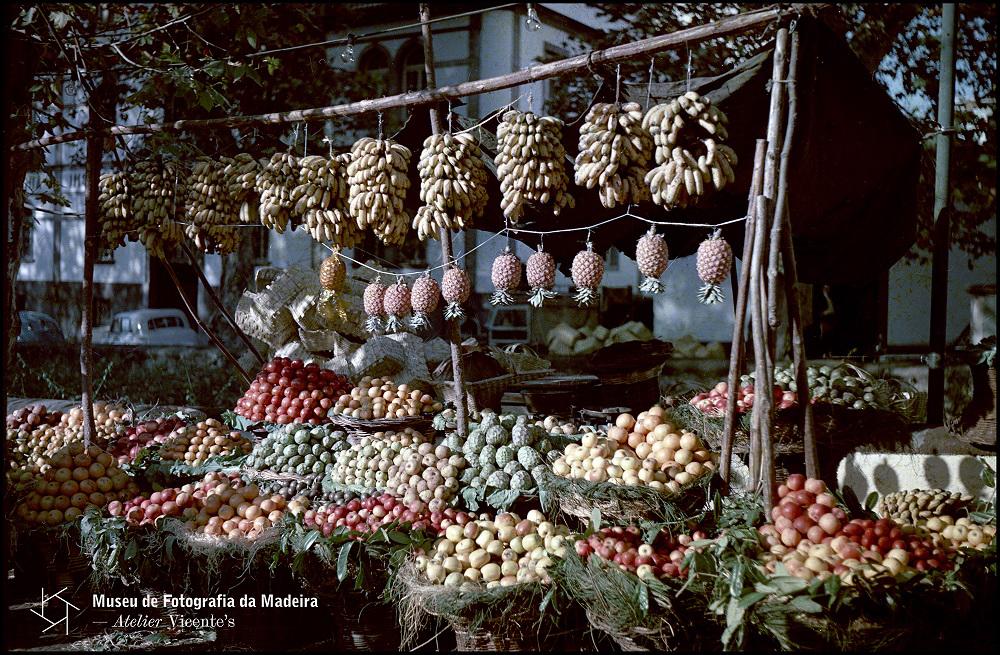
<point>624,546</point>
<point>714,402</point>
<point>373,512</point>
<point>291,391</point>
<point>814,538</point>
<point>137,437</point>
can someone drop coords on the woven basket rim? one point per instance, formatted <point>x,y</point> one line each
<point>363,425</point>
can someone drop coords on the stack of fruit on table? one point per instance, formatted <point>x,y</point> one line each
<point>646,450</point>
<point>814,538</point>
<point>504,551</point>
<point>715,401</point>
<point>298,450</point>
<point>195,444</point>
<point>381,398</point>
<point>291,391</point>
<point>555,426</point>
<point>26,419</point>
<point>127,446</point>
<point>68,482</point>
<point>366,463</point>
<point>218,506</point>
<point>940,515</point>
<point>843,385</point>
<point>368,514</point>
<point>504,453</point>
<point>624,546</point>
<point>30,446</point>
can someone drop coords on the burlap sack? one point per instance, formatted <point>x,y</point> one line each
<point>272,325</point>
<point>295,350</point>
<point>379,357</point>
<point>415,366</point>
<point>437,350</point>
<point>342,365</point>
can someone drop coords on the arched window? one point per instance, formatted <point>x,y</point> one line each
<point>375,62</point>
<point>412,76</point>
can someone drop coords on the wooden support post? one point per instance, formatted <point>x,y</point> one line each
<point>771,172</point>
<point>193,310</point>
<point>760,432</point>
<point>455,334</point>
<point>218,303</point>
<point>782,232</point>
<point>737,352</point>
<point>91,242</point>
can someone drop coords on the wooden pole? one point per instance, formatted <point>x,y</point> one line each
<point>91,241</point>
<point>774,144</point>
<point>728,26</point>
<point>218,303</point>
<point>782,232</point>
<point>454,329</point>
<point>194,314</point>
<point>737,352</point>
<point>760,430</point>
<point>942,220</point>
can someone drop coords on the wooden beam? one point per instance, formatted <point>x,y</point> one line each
<point>453,327</point>
<point>728,26</point>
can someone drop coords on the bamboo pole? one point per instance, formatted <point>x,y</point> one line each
<point>454,329</point>
<point>218,303</point>
<point>728,26</point>
<point>737,350</point>
<point>91,239</point>
<point>194,314</point>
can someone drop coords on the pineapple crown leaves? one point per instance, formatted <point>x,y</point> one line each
<point>710,294</point>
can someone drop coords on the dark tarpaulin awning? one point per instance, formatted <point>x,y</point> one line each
<point>853,168</point>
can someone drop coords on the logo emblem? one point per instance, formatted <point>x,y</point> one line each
<point>65,610</point>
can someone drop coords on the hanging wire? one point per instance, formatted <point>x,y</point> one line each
<point>453,261</point>
<point>449,116</point>
<point>379,126</point>
<point>618,82</point>
<point>305,141</point>
<point>327,140</point>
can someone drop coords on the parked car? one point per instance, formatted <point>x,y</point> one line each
<point>150,327</point>
<point>39,328</point>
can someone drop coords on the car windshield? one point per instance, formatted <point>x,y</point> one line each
<point>121,324</point>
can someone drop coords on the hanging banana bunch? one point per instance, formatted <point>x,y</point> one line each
<point>114,209</point>
<point>321,199</point>
<point>241,173</point>
<point>154,203</point>
<point>692,159</point>
<point>275,183</point>
<point>377,181</point>
<point>614,156</point>
<point>209,207</point>
<point>531,163</point>
<point>452,184</point>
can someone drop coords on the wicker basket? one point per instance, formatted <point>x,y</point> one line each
<point>419,423</point>
<point>984,432</point>
<point>479,395</point>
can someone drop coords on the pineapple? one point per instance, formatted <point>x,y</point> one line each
<point>651,258</point>
<point>373,296</point>
<point>587,271</point>
<point>541,273</point>
<point>424,298</point>
<point>506,276</point>
<point>715,258</point>
<point>455,289</point>
<point>332,273</point>
<point>396,303</point>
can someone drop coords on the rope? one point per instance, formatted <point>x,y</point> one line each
<point>507,231</point>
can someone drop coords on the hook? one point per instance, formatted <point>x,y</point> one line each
<point>688,45</point>
<point>531,101</point>
<point>449,115</point>
<point>649,85</point>
<point>618,82</point>
<point>541,242</point>
<point>379,126</point>
<point>305,140</point>
<point>329,142</point>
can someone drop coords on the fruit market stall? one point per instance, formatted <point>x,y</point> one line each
<point>372,478</point>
